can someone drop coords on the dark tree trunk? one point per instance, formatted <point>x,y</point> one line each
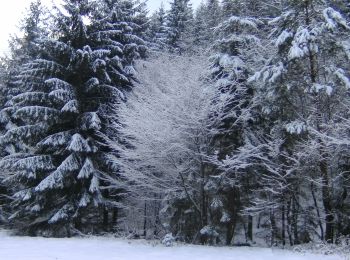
<point>250,228</point>
<point>145,220</point>
<point>291,242</point>
<point>273,228</point>
<point>115,217</point>
<point>317,210</point>
<point>234,206</point>
<point>204,207</point>
<point>105,213</point>
<point>283,225</point>
<point>295,215</point>
<point>105,221</point>
<point>326,197</point>
<point>157,218</point>
<point>230,230</point>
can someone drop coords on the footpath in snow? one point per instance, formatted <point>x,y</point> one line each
<point>29,248</point>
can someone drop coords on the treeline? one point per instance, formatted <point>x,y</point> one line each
<point>258,152</point>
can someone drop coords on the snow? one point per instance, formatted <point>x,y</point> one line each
<point>94,186</point>
<point>319,87</point>
<point>164,113</point>
<point>296,127</point>
<point>86,170</point>
<point>304,41</point>
<point>333,18</point>
<point>283,37</point>
<point>71,106</point>
<point>244,22</point>
<point>29,248</point>
<point>61,214</point>
<point>79,144</point>
<point>341,75</point>
<point>55,179</point>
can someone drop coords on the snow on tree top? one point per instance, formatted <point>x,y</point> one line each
<point>90,121</point>
<point>87,170</point>
<point>71,106</point>
<point>79,144</point>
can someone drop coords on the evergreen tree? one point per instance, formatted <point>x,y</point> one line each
<point>229,8</point>
<point>303,88</point>
<point>253,8</point>
<point>207,18</point>
<point>63,114</point>
<point>22,49</point>
<point>200,31</point>
<point>139,17</point>
<point>32,27</point>
<point>213,13</point>
<point>3,190</point>
<point>159,29</point>
<point>179,18</point>
<point>231,119</point>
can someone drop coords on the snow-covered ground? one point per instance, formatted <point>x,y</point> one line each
<point>28,248</point>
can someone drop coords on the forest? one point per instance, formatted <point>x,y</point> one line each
<point>226,124</point>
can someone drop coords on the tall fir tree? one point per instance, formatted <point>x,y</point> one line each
<point>207,17</point>
<point>180,19</point>
<point>159,29</point>
<point>231,118</point>
<point>301,93</point>
<point>200,32</point>
<point>63,114</point>
<point>22,49</point>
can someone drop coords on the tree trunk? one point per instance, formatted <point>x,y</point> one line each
<point>291,242</point>
<point>115,217</point>
<point>250,228</point>
<point>105,213</point>
<point>203,198</point>
<point>283,225</point>
<point>145,220</point>
<point>295,218</point>
<point>230,230</point>
<point>317,210</point>
<point>105,221</point>
<point>273,228</point>
<point>156,216</point>
<point>326,198</point>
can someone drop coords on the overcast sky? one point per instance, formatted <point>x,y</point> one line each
<point>11,12</point>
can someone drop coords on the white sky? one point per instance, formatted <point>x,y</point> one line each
<point>11,12</point>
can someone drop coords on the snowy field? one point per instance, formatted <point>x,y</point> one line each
<point>28,248</point>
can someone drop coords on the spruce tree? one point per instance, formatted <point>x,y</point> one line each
<point>200,32</point>
<point>179,21</point>
<point>229,8</point>
<point>301,93</point>
<point>207,18</point>
<point>63,114</point>
<point>231,119</point>
<point>213,14</point>
<point>22,49</point>
<point>159,29</point>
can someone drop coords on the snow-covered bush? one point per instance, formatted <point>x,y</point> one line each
<point>168,240</point>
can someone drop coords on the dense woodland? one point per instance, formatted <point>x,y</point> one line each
<point>228,124</point>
